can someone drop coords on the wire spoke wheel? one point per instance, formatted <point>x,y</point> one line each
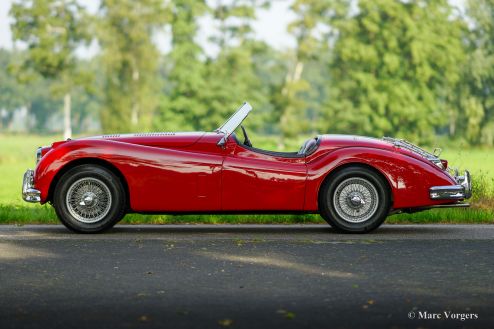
<point>88,200</point>
<point>355,200</point>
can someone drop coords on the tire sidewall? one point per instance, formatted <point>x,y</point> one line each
<point>328,210</point>
<point>117,207</point>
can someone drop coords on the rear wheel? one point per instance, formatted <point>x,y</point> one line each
<point>89,199</point>
<point>355,200</point>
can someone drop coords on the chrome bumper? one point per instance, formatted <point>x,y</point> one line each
<point>462,189</point>
<point>29,193</point>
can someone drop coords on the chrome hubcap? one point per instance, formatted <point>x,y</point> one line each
<point>88,200</point>
<point>355,200</point>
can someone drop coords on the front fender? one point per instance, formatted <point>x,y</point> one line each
<point>62,154</point>
<point>158,179</point>
<point>409,178</point>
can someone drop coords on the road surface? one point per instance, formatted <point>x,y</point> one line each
<point>247,276</point>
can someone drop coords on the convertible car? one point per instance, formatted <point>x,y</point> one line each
<point>353,182</point>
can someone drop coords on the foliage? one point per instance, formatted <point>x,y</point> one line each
<point>130,60</point>
<point>415,69</point>
<point>395,66</point>
<point>52,30</point>
<point>182,107</point>
<point>477,104</point>
<point>299,98</point>
<point>232,76</point>
<point>12,93</point>
<point>203,91</point>
<point>34,93</point>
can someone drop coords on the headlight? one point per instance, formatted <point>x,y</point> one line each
<point>41,152</point>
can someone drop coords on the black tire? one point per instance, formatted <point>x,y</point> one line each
<point>89,199</point>
<point>355,199</point>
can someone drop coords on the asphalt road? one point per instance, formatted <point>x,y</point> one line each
<point>203,276</point>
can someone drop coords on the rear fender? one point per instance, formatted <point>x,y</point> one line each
<point>409,178</point>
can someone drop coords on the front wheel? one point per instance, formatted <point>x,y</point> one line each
<point>355,200</point>
<point>89,199</point>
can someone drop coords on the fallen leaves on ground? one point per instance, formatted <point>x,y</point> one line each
<point>225,322</point>
<point>286,314</point>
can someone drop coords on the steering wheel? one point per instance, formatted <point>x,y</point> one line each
<point>246,137</point>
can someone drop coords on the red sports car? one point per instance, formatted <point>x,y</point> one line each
<point>353,182</point>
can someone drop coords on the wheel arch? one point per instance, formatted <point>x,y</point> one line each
<point>343,166</point>
<point>94,161</point>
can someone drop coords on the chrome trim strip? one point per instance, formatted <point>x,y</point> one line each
<point>452,205</point>
<point>432,157</point>
<point>29,193</point>
<point>414,210</point>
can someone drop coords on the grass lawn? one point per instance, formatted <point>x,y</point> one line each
<point>17,153</point>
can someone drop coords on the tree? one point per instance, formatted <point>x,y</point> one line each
<point>232,76</point>
<point>395,67</point>
<point>130,60</point>
<point>12,93</point>
<point>477,102</point>
<point>312,19</point>
<point>183,107</point>
<point>52,30</point>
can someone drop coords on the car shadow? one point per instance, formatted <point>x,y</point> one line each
<point>295,229</point>
<point>390,231</point>
<point>234,229</point>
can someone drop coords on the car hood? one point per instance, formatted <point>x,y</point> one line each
<point>159,139</point>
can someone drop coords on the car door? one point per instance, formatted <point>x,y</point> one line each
<point>186,179</point>
<point>255,181</point>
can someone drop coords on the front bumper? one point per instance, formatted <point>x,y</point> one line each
<point>29,193</point>
<point>462,189</point>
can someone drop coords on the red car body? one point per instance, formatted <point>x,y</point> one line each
<point>357,180</point>
<point>188,172</point>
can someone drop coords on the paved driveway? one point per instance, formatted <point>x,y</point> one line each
<point>247,276</point>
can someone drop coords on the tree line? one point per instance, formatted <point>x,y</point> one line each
<point>412,69</point>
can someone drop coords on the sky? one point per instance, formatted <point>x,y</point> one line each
<point>270,27</point>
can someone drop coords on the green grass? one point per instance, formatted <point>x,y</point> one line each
<point>17,154</point>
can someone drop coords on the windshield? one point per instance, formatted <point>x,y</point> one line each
<point>235,120</point>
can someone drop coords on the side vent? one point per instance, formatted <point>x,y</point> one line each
<point>140,135</point>
<point>154,134</point>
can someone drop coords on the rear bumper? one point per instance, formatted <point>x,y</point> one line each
<point>29,193</point>
<point>462,190</point>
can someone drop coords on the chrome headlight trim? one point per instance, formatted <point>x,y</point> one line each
<point>29,193</point>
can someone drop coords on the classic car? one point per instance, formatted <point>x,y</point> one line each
<point>353,182</point>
